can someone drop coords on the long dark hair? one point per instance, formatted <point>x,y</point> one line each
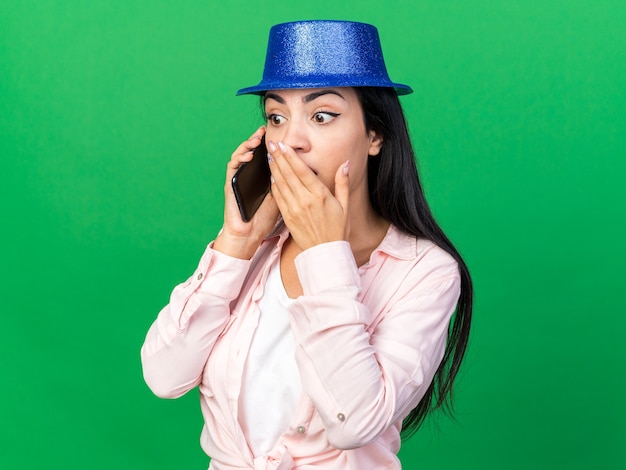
<point>397,195</point>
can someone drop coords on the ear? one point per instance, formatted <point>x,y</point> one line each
<point>376,142</point>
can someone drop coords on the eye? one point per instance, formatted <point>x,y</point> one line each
<point>324,117</point>
<point>275,119</point>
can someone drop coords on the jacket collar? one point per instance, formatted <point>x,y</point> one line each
<point>398,244</point>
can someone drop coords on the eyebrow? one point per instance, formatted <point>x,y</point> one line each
<point>307,98</point>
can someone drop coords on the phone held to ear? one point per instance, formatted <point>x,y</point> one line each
<point>251,182</point>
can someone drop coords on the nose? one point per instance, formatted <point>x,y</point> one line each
<point>295,136</point>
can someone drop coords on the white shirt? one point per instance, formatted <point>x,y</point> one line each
<point>271,384</point>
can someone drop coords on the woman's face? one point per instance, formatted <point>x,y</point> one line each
<point>325,127</point>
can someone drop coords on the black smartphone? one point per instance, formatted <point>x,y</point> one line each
<point>251,183</point>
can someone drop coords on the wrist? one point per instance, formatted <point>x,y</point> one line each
<point>237,246</point>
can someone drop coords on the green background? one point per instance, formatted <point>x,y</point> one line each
<point>117,119</point>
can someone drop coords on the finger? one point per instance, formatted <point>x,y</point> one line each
<point>299,168</point>
<point>238,158</point>
<point>252,142</point>
<point>293,172</point>
<point>281,191</point>
<point>281,174</point>
<point>244,152</point>
<point>342,185</point>
<point>277,192</point>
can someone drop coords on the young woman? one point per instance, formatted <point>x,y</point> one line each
<point>341,310</point>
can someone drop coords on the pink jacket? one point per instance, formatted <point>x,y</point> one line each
<point>368,342</point>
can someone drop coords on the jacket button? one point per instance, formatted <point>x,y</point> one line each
<point>341,417</point>
<point>300,429</point>
<point>199,276</point>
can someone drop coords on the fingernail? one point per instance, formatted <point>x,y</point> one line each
<point>272,146</point>
<point>272,179</point>
<point>282,146</point>
<point>346,168</point>
<point>269,158</point>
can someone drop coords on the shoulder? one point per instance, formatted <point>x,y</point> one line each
<point>407,266</point>
<point>411,275</point>
<point>418,253</point>
<point>435,259</point>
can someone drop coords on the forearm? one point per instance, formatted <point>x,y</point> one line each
<point>340,369</point>
<point>340,373</point>
<point>242,246</point>
<point>182,337</point>
<point>363,378</point>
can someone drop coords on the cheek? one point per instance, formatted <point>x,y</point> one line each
<point>358,149</point>
<point>270,134</point>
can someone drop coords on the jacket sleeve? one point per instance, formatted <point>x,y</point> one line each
<point>361,381</point>
<point>180,340</point>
